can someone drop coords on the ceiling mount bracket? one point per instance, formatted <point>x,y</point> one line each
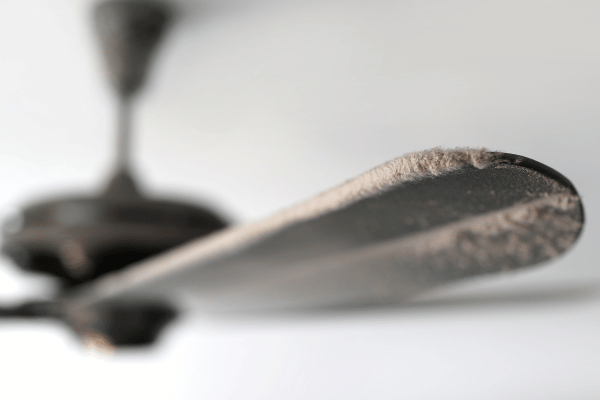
<point>129,32</point>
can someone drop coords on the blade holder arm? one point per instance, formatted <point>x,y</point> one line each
<point>122,324</point>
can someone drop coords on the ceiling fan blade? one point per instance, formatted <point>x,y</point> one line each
<point>409,225</point>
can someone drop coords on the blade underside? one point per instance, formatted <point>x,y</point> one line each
<point>409,225</point>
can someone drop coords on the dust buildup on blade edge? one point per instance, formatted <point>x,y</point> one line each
<point>519,236</point>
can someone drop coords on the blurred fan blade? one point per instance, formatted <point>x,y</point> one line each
<point>409,225</point>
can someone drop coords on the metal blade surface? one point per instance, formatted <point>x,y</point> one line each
<point>409,225</point>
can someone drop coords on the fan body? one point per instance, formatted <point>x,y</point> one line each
<point>80,238</point>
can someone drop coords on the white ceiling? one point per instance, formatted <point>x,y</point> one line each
<point>255,105</point>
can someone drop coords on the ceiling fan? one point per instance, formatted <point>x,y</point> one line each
<point>129,263</point>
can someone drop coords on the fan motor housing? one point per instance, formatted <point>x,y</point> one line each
<point>80,238</point>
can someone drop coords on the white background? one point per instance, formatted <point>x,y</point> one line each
<point>256,105</point>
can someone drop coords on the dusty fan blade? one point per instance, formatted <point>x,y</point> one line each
<point>409,225</point>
